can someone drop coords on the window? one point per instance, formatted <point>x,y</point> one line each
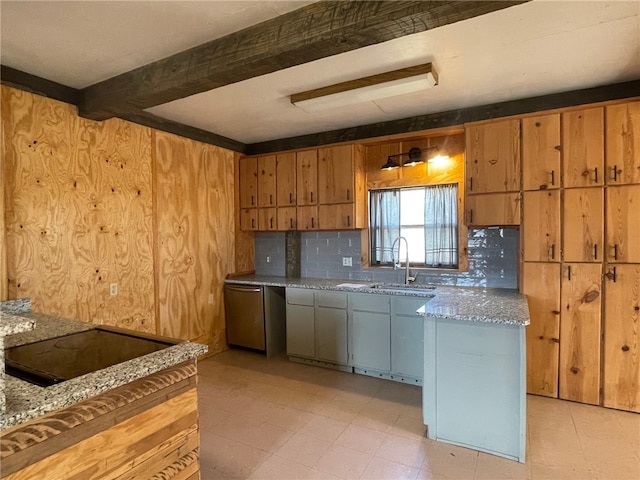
<point>426,216</point>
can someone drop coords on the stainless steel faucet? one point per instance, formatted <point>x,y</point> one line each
<point>407,278</point>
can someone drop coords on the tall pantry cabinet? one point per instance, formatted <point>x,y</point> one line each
<point>581,245</point>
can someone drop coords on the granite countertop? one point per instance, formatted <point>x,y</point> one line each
<point>476,304</point>
<point>11,324</point>
<point>26,401</point>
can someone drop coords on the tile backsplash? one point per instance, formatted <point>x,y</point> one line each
<point>493,259</point>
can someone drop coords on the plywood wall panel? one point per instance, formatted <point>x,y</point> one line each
<point>78,212</point>
<point>195,241</point>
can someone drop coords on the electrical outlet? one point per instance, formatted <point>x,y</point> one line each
<point>210,298</point>
<point>113,289</point>
<point>347,262</point>
<point>268,259</point>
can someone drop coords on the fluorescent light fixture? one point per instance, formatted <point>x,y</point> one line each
<point>375,87</point>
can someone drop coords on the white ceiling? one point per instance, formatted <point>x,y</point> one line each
<point>532,49</point>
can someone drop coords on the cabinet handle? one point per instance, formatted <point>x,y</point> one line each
<point>311,197</point>
<point>615,251</point>
<point>270,199</point>
<point>595,171</point>
<point>348,194</point>
<point>553,251</point>
<point>553,177</point>
<point>615,173</point>
<point>471,184</point>
<point>312,223</point>
<point>291,223</point>
<point>348,220</point>
<point>471,215</point>
<point>252,200</point>
<point>595,251</point>
<point>253,223</point>
<point>569,272</point>
<point>611,275</point>
<point>290,198</point>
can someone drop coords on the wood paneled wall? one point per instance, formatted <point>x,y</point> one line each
<point>195,216</point>
<point>87,204</point>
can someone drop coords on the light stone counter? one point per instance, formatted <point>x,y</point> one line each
<point>25,401</point>
<point>476,304</point>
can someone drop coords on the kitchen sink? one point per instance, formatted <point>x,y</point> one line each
<point>418,289</point>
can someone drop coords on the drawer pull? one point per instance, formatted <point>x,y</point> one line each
<point>595,172</point>
<point>271,222</point>
<point>471,184</point>
<point>270,199</point>
<point>348,220</point>
<point>290,197</point>
<point>253,223</point>
<point>252,200</point>
<point>553,177</point>
<point>311,197</point>
<point>471,215</point>
<point>569,272</point>
<point>312,223</point>
<point>553,251</point>
<point>595,251</point>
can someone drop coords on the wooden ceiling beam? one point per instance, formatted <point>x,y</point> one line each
<point>310,33</point>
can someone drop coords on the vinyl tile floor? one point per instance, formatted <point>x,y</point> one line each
<point>276,419</point>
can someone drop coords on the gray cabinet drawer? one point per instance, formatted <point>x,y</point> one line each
<point>408,305</point>
<point>331,299</point>
<point>372,302</point>
<point>299,296</point>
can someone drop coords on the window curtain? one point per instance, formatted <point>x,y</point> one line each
<point>441,225</point>
<point>384,223</point>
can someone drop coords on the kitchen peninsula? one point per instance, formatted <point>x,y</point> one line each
<point>134,419</point>
<point>471,349</point>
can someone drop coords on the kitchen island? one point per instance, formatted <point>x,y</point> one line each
<point>135,419</point>
<point>471,354</point>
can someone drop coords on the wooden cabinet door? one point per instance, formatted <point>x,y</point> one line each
<point>307,218</point>
<point>267,219</point>
<point>336,174</point>
<point>287,219</point>
<point>583,147</point>
<point>541,152</point>
<point>583,225</point>
<point>623,143</point>
<point>622,338</point>
<point>580,330</point>
<point>493,157</point>
<point>336,216</point>
<point>301,336</point>
<point>542,226</point>
<point>331,335</point>
<point>249,219</point>
<point>493,209</point>
<point>267,181</point>
<point>286,179</point>
<point>623,224</point>
<point>307,177</point>
<point>248,172</point>
<point>541,285</point>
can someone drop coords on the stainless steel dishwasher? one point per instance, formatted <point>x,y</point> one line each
<point>255,317</point>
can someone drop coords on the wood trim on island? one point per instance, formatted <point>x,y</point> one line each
<point>138,430</point>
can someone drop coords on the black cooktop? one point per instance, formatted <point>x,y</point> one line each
<point>55,360</point>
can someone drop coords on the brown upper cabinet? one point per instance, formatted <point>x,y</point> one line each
<point>583,147</point>
<point>307,217</point>
<point>248,172</point>
<point>267,181</point>
<point>541,152</point>
<point>287,218</point>
<point>307,177</point>
<point>583,225</point>
<point>267,219</point>
<point>286,179</point>
<point>493,209</point>
<point>623,143</point>
<point>336,174</point>
<point>623,224</point>
<point>542,226</point>
<point>493,157</point>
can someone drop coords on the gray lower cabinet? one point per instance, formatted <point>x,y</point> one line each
<point>378,334</point>
<point>407,339</point>
<point>370,333</point>
<point>317,325</point>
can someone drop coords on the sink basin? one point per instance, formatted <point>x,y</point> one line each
<point>421,289</point>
